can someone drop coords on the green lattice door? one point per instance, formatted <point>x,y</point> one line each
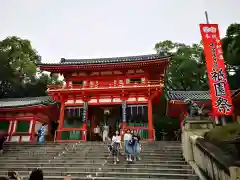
<point>4,125</point>
<point>23,126</point>
<point>72,123</point>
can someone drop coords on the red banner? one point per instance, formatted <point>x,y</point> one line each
<point>217,77</point>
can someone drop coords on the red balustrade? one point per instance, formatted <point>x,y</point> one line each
<point>107,85</point>
<point>139,128</point>
<point>60,131</point>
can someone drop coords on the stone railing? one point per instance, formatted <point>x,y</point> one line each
<point>208,161</point>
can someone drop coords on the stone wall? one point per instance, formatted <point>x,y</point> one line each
<point>209,162</point>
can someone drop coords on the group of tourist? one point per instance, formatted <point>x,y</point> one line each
<point>132,146</point>
<point>36,174</point>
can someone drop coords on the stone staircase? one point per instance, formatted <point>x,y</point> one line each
<point>91,160</point>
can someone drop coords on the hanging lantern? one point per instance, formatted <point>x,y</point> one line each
<point>106,111</point>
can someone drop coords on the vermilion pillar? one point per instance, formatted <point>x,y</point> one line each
<point>12,127</point>
<point>150,120</point>
<point>61,120</point>
<point>32,138</point>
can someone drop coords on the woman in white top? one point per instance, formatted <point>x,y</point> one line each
<point>127,147</point>
<point>116,145</point>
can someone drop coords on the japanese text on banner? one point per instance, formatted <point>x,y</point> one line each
<point>219,88</point>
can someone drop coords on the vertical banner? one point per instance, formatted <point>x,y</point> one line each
<point>124,107</point>
<point>217,77</point>
<point>85,109</point>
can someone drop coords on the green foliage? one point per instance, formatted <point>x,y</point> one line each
<point>162,122</point>
<point>231,52</point>
<point>22,58</point>
<point>231,45</point>
<point>186,69</point>
<point>223,133</point>
<point>18,70</point>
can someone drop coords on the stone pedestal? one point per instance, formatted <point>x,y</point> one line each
<point>195,127</point>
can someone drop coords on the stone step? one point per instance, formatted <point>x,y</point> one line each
<point>154,143</point>
<point>58,170</point>
<point>84,154</point>
<point>103,178</point>
<point>91,160</point>
<point>86,145</point>
<point>112,174</point>
<point>90,153</point>
<point>83,145</point>
<point>73,161</point>
<point>83,158</point>
<point>57,164</point>
<point>90,149</point>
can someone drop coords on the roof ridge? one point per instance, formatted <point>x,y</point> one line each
<point>194,95</point>
<point>24,98</point>
<point>117,57</point>
<point>26,101</point>
<point>121,59</point>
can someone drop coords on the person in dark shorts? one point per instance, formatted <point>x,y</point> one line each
<point>136,146</point>
<point>115,146</point>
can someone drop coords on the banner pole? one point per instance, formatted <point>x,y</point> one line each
<point>206,16</point>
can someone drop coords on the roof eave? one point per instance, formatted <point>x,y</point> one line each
<point>49,103</point>
<point>48,67</point>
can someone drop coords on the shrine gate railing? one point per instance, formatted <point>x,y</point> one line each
<point>107,85</point>
<point>60,132</point>
<point>140,128</point>
<point>19,137</point>
<point>80,130</point>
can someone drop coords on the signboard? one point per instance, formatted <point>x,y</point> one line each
<point>217,77</point>
<point>124,107</point>
<point>85,108</point>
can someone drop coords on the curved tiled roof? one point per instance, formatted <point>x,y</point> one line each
<point>27,101</point>
<point>109,60</point>
<point>193,95</point>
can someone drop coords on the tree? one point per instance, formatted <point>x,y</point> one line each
<point>231,45</point>
<point>6,75</point>
<point>18,76</point>
<point>231,53</point>
<point>22,58</point>
<point>38,86</point>
<point>186,69</point>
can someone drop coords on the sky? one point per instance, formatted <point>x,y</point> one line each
<point>110,28</point>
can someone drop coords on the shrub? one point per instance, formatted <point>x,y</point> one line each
<point>223,133</point>
<point>220,135</point>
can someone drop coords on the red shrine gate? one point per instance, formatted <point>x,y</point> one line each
<point>95,86</point>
